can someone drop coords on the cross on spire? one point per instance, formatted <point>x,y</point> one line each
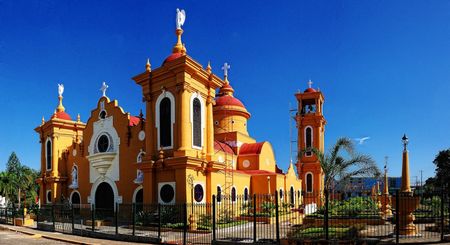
<point>310,83</point>
<point>225,69</point>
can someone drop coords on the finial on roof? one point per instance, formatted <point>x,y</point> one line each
<point>208,67</point>
<point>43,120</point>
<point>103,88</point>
<point>181,17</point>
<point>148,67</point>
<point>78,118</point>
<point>310,83</point>
<point>60,97</point>
<point>183,50</point>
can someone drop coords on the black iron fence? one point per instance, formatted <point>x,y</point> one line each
<point>296,217</point>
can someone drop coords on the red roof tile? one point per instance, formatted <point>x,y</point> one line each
<point>252,148</point>
<point>223,147</point>
<point>62,115</point>
<point>134,120</point>
<point>173,56</point>
<point>309,90</point>
<point>228,100</point>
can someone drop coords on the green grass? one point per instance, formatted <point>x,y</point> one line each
<point>319,232</point>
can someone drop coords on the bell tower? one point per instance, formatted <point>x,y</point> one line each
<point>311,128</point>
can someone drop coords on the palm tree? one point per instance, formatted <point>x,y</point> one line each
<point>341,167</point>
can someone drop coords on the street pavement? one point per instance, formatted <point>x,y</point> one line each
<point>11,237</point>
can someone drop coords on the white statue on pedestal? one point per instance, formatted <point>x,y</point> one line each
<point>139,178</point>
<point>74,184</point>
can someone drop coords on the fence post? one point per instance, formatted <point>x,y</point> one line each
<point>93,217</point>
<point>254,217</point>
<point>159,221</point>
<point>133,210</point>
<point>37,216</point>
<point>277,218</point>
<point>214,217</point>
<point>185,223</point>
<point>326,215</point>
<point>397,217</point>
<point>116,214</point>
<point>73,217</point>
<point>53,216</point>
<point>442,215</point>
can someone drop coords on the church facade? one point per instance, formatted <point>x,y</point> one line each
<point>190,143</point>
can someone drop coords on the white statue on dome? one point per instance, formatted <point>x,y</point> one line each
<point>60,89</point>
<point>181,17</point>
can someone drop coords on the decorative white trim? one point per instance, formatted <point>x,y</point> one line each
<point>312,139</point>
<point>160,185</point>
<point>51,154</point>
<point>312,182</point>
<point>46,196</point>
<point>117,198</point>
<point>136,191</point>
<point>202,115</point>
<point>71,194</point>
<point>204,192</point>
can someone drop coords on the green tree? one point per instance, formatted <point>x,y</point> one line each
<point>7,186</point>
<point>342,162</point>
<point>442,162</point>
<point>21,178</point>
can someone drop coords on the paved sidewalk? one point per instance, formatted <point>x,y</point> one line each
<point>56,236</point>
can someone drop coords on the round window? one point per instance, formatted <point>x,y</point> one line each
<point>198,193</point>
<point>103,143</point>
<point>167,193</point>
<point>246,163</point>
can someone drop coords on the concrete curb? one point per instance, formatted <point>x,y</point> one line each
<point>28,231</point>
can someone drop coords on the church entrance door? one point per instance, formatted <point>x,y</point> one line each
<point>104,201</point>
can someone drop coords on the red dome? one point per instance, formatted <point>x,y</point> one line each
<point>310,90</point>
<point>228,100</point>
<point>62,115</point>
<point>173,56</point>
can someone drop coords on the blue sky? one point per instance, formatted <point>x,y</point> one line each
<point>383,66</point>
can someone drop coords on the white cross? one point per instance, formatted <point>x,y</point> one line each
<point>225,69</point>
<point>104,88</point>
<point>310,83</point>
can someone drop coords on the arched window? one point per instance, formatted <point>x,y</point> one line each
<point>165,123</point>
<point>308,140</point>
<point>197,122</point>
<point>281,194</point>
<point>219,194</point>
<point>291,195</point>
<point>48,154</point>
<point>245,194</point>
<point>309,182</point>
<point>233,194</point>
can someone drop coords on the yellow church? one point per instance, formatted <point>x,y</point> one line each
<point>191,138</point>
